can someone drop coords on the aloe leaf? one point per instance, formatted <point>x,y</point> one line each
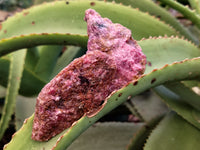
<point>36,2</point>
<point>16,69</point>
<point>32,57</point>
<point>139,138</point>
<point>107,136</point>
<point>162,51</point>
<point>186,94</point>
<point>27,143</point>
<point>24,109</point>
<point>159,52</point>
<point>195,5</point>
<point>4,71</point>
<point>69,54</point>
<point>2,92</point>
<point>194,85</point>
<point>156,77</point>
<point>175,133</point>
<point>177,50</point>
<point>15,43</point>
<point>65,19</point>
<point>150,7</point>
<point>149,106</point>
<point>67,24</point>
<point>131,107</point>
<point>30,83</point>
<point>191,83</point>
<point>188,13</point>
<point>25,139</point>
<point>175,103</point>
<point>195,31</point>
<point>47,61</point>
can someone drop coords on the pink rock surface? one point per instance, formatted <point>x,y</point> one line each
<point>113,59</point>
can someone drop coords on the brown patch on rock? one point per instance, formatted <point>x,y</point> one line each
<point>92,3</point>
<point>153,80</point>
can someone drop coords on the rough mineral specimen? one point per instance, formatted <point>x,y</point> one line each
<point>113,59</point>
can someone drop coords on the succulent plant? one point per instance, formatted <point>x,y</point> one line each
<point>38,42</point>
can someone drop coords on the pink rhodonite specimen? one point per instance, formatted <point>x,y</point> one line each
<point>113,59</point>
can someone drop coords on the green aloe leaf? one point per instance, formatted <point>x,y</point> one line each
<point>47,61</point>
<point>32,57</point>
<point>159,53</point>
<point>185,10</point>
<point>165,74</point>
<point>107,136</point>
<point>24,109</point>
<point>2,92</point>
<point>162,51</point>
<point>15,43</point>
<point>69,54</point>
<point>139,138</point>
<point>194,85</point>
<point>4,71</point>
<point>152,8</point>
<point>67,24</point>
<point>186,94</point>
<point>36,2</point>
<point>195,5</point>
<point>30,84</point>
<point>148,106</point>
<point>177,104</point>
<point>15,74</point>
<point>191,83</point>
<point>174,133</point>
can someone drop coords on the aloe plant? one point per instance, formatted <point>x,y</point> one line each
<point>38,42</point>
